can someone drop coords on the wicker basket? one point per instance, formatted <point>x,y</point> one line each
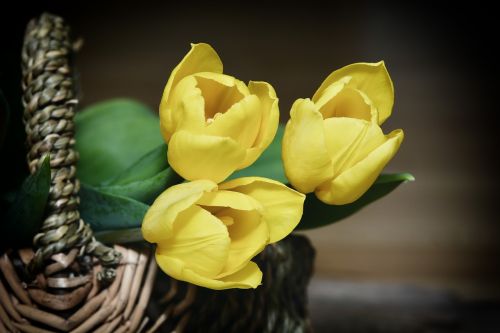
<point>70,282</point>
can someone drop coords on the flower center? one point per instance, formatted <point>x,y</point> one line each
<point>227,220</point>
<point>220,92</point>
<point>347,103</point>
<point>211,120</point>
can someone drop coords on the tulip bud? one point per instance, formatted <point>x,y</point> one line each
<point>333,144</point>
<point>207,234</point>
<point>214,123</point>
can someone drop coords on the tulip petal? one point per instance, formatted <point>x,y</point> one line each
<point>282,206</point>
<point>220,92</point>
<point>201,58</point>
<point>249,276</point>
<point>204,156</point>
<point>158,222</point>
<point>215,86</point>
<point>338,100</point>
<point>241,122</point>
<point>355,181</point>
<point>304,152</point>
<point>350,140</point>
<point>186,110</point>
<point>229,199</point>
<point>330,92</point>
<point>269,123</point>
<point>249,235</point>
<point>200,240</point>
<point>370,78</point>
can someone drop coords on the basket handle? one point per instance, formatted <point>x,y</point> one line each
<point>49,107</point>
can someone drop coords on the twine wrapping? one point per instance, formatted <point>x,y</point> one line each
<point>49,108</point>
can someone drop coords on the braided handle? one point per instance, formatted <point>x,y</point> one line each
<point>49,108</point>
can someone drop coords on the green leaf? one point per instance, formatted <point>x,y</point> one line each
<point>25,216</point>
<point>269,164</point>
<point>145,190</point>
<point>147,166</point>
<point>132,235</point>
<point>318,214</point>
<point>111,136</point>
<point>144,180</point>
<point>104,211</point>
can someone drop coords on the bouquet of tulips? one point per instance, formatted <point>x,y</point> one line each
<point>236,199</point>
<point>217,178</point>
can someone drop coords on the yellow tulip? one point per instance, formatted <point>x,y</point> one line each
<point>207,234</point>
<point>214,124</point>
<point>333,144</point>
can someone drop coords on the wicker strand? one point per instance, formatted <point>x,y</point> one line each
<point>49,107</point>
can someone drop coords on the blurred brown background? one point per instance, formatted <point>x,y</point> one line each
<point>441,231</point>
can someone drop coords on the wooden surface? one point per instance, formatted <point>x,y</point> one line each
<point>369,307</point>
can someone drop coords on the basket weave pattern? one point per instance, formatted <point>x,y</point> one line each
<point>70,281</point>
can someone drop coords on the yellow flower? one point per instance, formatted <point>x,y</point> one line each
<point>207,234</point>
<point>214,124</point>
<point>333,144</point>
